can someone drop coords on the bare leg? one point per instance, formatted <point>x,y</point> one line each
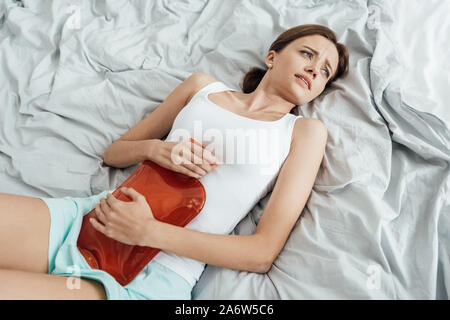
<point>25,285</point>
<point>24,237</point>
<point>24,233</point>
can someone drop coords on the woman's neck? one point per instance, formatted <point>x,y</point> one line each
<point>264,100</point>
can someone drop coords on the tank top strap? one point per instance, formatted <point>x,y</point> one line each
<point>212,87</point>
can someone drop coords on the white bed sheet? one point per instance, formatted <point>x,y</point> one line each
<point>423,31</point>
<point>377,222</point>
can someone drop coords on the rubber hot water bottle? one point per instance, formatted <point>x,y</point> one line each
<point>173,197</point>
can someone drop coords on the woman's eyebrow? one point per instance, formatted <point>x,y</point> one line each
<point>317,53</point>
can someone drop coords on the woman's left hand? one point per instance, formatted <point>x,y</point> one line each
<point>126,222</point>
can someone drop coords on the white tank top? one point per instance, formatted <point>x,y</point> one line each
<point>252,153</point>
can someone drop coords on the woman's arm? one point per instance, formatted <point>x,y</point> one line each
<point>135,145</point>
<point>230,251</point>
<point>294,184</point>
<point>124,153</point>
<point>257,252</point>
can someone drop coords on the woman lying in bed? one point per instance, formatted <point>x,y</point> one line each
<point>39,258</point>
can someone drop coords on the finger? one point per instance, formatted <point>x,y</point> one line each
<point>111,200</point>
<point>185,148</point>
<point>209,157</point>
<point>190,160</point>
<point>133,194</point>
<point>210,154</point>
<point>186,153</point>
<point>195,158</point>
<point>196,148</point>
<point>186,171</point>
<point>215,160</point>
<point>198,170</point>
<point>201,158</point>
<point>184,160</point>
<point>100,215</point>
<point>204,153</point>
<point>176,165</point>
<point>97,225</point>
<point>198,165</point>
<point>193,141</point>
<point>104,206</point>
<point>205,166</point>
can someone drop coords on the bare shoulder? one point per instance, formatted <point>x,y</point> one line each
<point>202,79</point>
<point>309,128</point>
<point>197,81</point>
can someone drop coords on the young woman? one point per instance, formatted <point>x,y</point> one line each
<point>38,253</point>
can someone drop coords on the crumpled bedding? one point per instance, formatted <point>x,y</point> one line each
<point>76,75</point>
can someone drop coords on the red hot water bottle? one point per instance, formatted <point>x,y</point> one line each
<point>173,197</point>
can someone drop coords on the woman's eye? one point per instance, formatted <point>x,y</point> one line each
<point>327,74</point>
<point>307,54</point>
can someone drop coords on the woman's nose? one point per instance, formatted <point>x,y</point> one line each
<point>312,70</point>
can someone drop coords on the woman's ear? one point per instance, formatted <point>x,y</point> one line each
<point>270,59</point>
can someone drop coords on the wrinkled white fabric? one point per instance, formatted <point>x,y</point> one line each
<point>76,75</point>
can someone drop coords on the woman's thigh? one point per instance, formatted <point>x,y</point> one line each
<point>24,285</point>
<point>24,233</point>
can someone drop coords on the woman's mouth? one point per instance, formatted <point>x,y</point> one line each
<point>303,81</point>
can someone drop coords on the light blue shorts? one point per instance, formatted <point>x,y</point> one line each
<point>154,282</point>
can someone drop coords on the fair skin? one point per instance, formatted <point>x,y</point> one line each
<point>25,221</point>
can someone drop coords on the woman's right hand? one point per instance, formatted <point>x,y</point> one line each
<point>184,157</point>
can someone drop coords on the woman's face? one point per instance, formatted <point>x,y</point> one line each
<point>303,68</point>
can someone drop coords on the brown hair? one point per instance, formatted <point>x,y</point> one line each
<point>255,75</point>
